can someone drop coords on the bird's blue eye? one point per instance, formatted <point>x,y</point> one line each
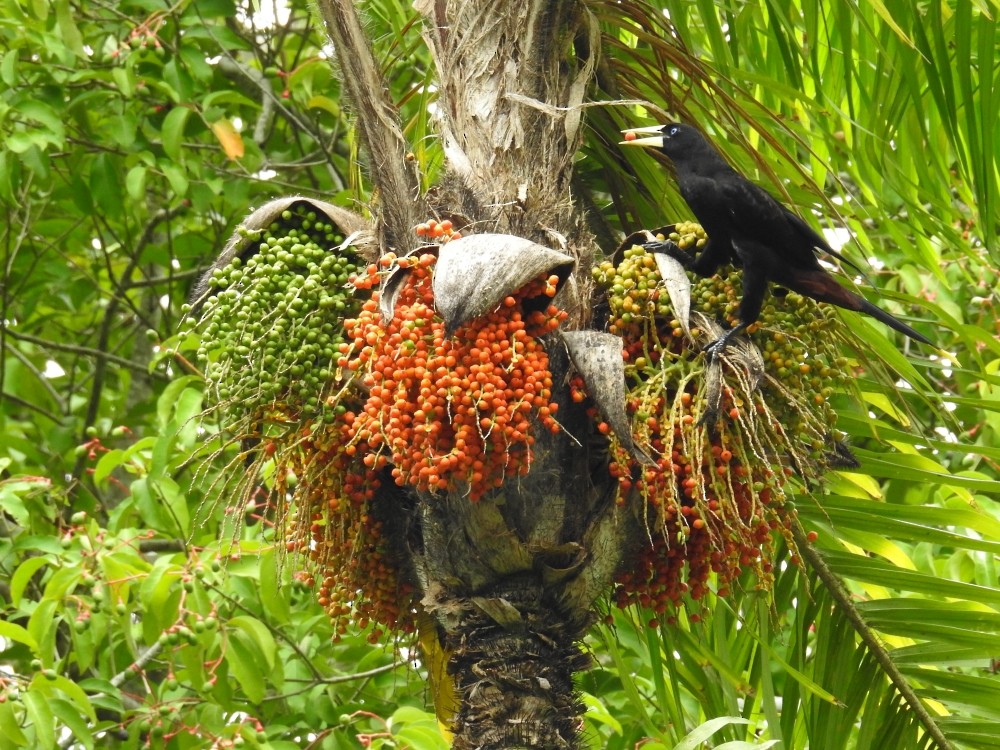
<point>673,130</point>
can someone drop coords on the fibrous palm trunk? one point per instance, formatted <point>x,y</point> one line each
<point>509,581</point>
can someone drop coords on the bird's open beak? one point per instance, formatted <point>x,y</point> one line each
<point>656,140</point>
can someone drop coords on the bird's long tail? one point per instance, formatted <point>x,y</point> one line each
<point>823,287</point>
<point>879,314</point>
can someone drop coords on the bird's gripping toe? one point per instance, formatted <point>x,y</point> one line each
<point>668,247</point>
<point>715,349</point>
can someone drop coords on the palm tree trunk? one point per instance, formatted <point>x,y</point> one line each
<point>510,580</point>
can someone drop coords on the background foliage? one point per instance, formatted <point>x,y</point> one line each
<point>137,134</point>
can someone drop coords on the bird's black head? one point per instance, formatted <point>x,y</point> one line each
<point>677,140</point>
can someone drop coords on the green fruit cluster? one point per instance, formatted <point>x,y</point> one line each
<point>273,323</point>
<point>798,339</point>
<point>634,285</point>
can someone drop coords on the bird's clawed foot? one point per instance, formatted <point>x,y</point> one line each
<point>714,377</point>
<point>668,247</point>
<point>717,347</point>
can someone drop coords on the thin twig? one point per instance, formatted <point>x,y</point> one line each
<point>339,679</point>
<point>46,384</point>
<point>84,351</point>
<point>33,407</point>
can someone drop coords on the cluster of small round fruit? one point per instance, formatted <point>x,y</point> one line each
<point>716,492</point>
<point>430,411</point>
<point>272,325</point>
<point>450,413</point>
<point>439,231</point>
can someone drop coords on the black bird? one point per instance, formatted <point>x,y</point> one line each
<point>746,226</point>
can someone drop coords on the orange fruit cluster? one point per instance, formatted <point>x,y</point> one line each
<point>713,516</point>
<point>336,529</point>
<point>450,413</point>
<point>439,231</point>
<point>434,412</point>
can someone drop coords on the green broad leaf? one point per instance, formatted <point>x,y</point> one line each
<point>174,503</point>
<point>41,113</point>
<point>410,715</point>
<point>11,734</point>
<point>36,704</point>
<point>21,142</point>
<point>122,566</point>
<point>71,718</point>
<point>245,664</point>
<point>82,198</point>
<point>42,626</point>
<point>104,694</point>
<point>67,27</point>
<point>598,712</point>
<point>422,737</point>
<point>107,464</point>
<point>136,453</point>
<point>193,659</point>
<point>10,170</point>
<point>176,177</point>
<point>162,449</point>
<point>148,506</point>
<point>194,62</point>
<point>16,633</point>
<point>215,9</point>
<point>13,504</point>
<point>167,402</point>
<point>105,184</point>
<point>23,575</point>
<point>46,544</point>
<point>80,702</point>
<point>700,734</point>
<point>227,96</point>
<point>189,406</point>
<point>123,129</point>
<point>179,81</point>
<point>159,595</point>
<point>135,182</point>
<point>260,638</point>
<point>124,79</point>
<point>173,131</point>
<point>62,581</point>
<point>324,103</point>
<point>8,67</point>
<point>247,566</point>
<point>741,745</point>
<point>271,589</point>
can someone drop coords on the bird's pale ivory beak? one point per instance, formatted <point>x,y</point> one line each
<point>651,141</point>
